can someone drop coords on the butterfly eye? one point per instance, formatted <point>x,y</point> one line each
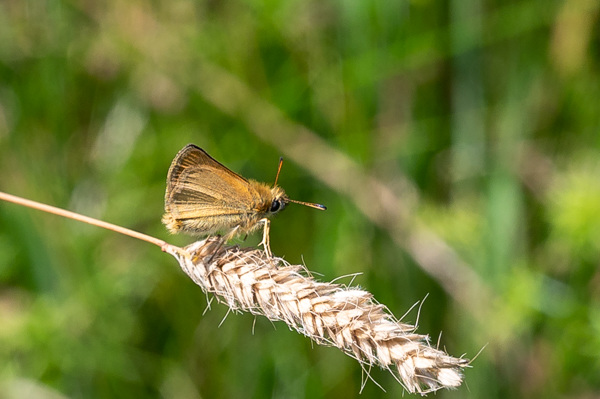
<point>276,205</point>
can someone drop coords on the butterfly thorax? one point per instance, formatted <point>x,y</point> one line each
<point>267,200</point>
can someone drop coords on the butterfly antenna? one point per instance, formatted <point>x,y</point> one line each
<point>316,206</point>
<point>278,170</point>
<point>310,204</point>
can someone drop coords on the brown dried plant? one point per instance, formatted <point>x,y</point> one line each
<point>246,279</point>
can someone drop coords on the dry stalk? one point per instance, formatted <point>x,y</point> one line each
<point>330,314</point>
<point>245,279</point>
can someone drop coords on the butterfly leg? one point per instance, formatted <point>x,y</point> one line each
<point>231,234</point>
<point>224,239</point>
<point>265,241</point>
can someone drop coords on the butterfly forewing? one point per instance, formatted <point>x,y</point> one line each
<point>198,184</point>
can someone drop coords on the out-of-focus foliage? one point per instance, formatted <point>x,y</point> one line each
<point>482,118</point>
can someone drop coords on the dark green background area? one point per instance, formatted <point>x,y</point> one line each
<point>456,145</point>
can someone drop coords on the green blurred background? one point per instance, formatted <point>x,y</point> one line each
<point>456,145</point>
